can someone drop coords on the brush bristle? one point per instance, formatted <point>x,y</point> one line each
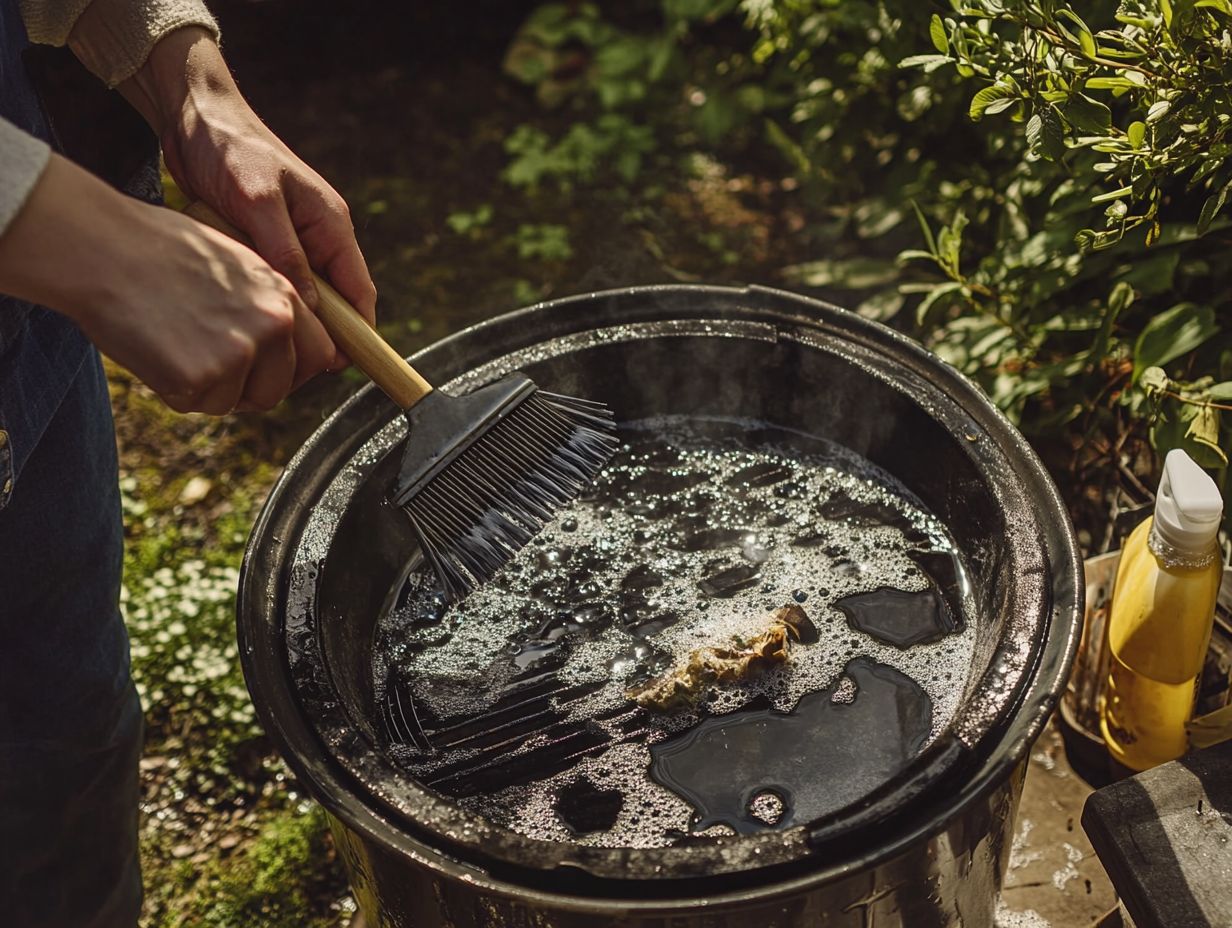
<point>477,512</point>
<point>402,723</point>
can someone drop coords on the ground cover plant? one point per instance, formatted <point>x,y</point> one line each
<point>1036,190</point>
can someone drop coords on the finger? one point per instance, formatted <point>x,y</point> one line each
<point>314,349</point>
<point>216,398</point>
<point>328,237</point>
<point>223,392</point>
<point>222,398</point>
<point>178,402</point>
<point>269,380</point>
<point>268,223</point>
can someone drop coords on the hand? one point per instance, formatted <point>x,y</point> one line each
<point>220,152</point>
<point>203,320</point>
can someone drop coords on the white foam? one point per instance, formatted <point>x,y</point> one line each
<point>466,672</point>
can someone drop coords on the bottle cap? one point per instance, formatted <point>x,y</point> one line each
<point>1188,506</point>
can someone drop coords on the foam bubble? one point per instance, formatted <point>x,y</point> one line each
<point>690,538</point>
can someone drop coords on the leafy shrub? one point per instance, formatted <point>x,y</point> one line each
<point>1052,183</point>
<point>1124,113</point>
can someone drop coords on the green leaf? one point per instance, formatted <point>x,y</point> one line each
<point>1165,8</point>
<point>1167,430</point>
<point>1136,133</point>
<point>621,57</point>
<point>1109,83</point>
<point>1204,429</point>
<point>1035,128</point>
<point>1172,334</point>
<point>850,274</point>
<point>1154,380</point>
<point>1087,115</point>
<point>959,38</point>
<point>660,57</point>
<point>1119,300</point>
<point>789,147</point>
<point>1085,39</point>
<point>1210,209</point>
<point>936,32</point>
<point>1153,273</point>
<point>1045,135</point>
<point>1192,428</point>
<point>1195,428</point>
<point>1220,391</point>
<point>1158,110</point>
<point>1223,6</point>
<point>924,227</point>
<point>1211,457</point>
<point>1112,195</point>
<point>936,300</point>
<point>927,62</point>
<point>949,241</point>
<point>882,305</point>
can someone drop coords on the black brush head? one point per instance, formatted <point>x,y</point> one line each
<point>402,723</point>
<point>483,473</point>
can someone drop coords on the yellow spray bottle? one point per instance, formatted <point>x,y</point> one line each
<point>1163,608</point>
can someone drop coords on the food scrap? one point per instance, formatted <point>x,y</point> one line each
<point>681,686</point>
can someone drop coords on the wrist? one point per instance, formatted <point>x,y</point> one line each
<point>184,69</point>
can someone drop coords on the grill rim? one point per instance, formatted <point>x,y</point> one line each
<point>262,599</point>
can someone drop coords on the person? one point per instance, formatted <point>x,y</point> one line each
<point>209,324</point>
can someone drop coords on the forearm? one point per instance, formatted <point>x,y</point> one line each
<point>64,248</point>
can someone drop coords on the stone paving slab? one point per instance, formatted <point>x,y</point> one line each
<point>1054,879</point>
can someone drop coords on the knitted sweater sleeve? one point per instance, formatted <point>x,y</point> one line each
<point>22,159</point>
<point>116,36</point>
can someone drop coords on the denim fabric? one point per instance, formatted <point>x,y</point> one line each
<point>40,351</point>
<point>70,720</point>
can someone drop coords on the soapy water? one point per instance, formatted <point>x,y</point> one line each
<point>693,535</point>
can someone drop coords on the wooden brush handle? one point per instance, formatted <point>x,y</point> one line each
<point>349,330</point>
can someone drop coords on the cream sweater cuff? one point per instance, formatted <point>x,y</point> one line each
<point>49,23</point>
<point>23,158</point>
<point>112,38</point>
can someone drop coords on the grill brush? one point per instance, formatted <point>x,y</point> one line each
<point>481,474</point>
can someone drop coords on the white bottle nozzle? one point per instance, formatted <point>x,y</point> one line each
<point>1188,506</point>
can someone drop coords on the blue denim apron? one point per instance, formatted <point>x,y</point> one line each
<point>70,720</point>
